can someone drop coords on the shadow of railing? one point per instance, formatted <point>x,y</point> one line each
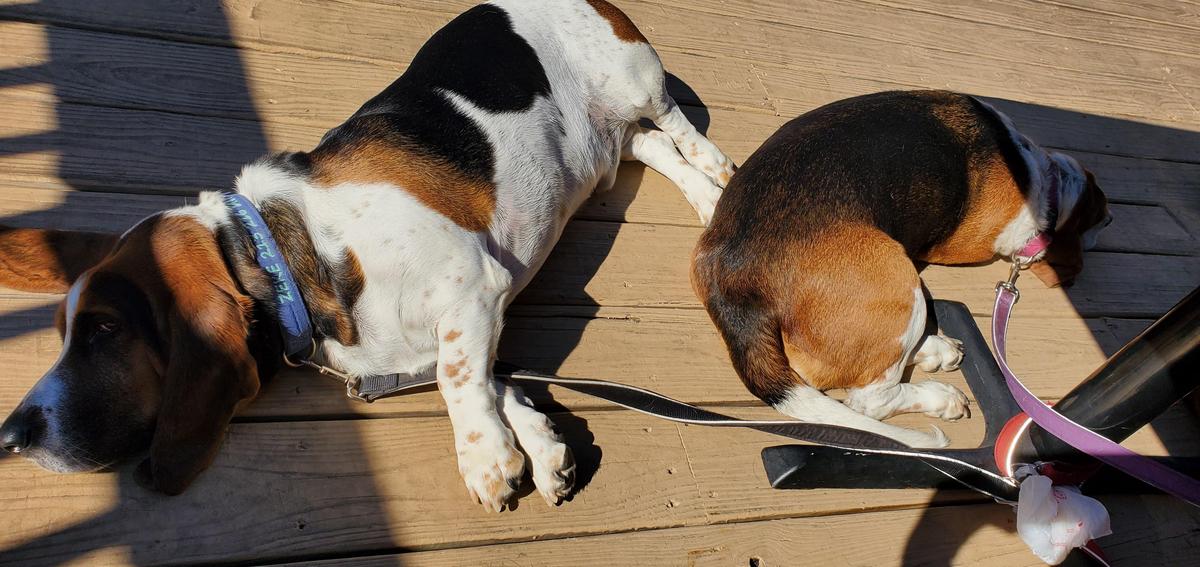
<point>113,132</point>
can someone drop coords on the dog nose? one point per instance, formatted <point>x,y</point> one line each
<point>15,434</point>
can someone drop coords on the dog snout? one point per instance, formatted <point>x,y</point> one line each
<point>20,429</point>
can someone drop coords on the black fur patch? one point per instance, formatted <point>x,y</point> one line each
<point>884,159</point>
<point>477,56</point>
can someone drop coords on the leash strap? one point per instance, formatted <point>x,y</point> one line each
<point>293,315</point>
<point>1113,454</point>
<point>657,405</point>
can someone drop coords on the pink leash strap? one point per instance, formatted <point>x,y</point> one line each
<point>1149,471</point>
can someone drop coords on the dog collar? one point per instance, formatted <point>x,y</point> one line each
<point>1042,240</point>
<point>293,315</point>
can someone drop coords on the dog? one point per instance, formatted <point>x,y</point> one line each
<point>408,230</point>
<point>809,267</point>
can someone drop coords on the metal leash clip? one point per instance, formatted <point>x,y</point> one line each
<point>351,382</point>
<point>1010,284</point>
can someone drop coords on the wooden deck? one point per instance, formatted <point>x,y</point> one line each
<point>112,110</point>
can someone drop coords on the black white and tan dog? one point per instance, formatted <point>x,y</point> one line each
<point>809,267</point>
<point>409,229</point>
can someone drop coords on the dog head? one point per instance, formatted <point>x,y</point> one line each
<point>1083,212</point>
<point>154,355</point>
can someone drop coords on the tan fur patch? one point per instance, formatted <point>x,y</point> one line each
<point>48,261</point>
<point>846,307</point>
<point>466,200</point>
<point>474,437</point>
<point>495,485</point>
<point>622,26</point>
<point>463,380</point>
<point>452,336</point>
<point>995,201</point>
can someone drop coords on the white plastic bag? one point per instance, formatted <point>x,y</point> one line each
<point>1053,520</point>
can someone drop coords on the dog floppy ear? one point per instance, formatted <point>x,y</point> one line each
<point>209,372</point>
<point>1064,258</point>
<point>48,261</point>
<point>1063,261</point>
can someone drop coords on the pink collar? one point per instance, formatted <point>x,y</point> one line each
<point>1042,240</point>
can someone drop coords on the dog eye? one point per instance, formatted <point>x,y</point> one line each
<point>102,328</point>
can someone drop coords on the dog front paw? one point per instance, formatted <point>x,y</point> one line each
<point>554,472</point>
<point>945,401</point>
<point>491,467</point>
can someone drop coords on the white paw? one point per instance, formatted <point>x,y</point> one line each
<point>948,402</point>
<point>552,463</point>
<point>490,465</point>
<point>939,353</point>
<point>703,196</point>
<point>705,156</point>
<point>554,473</point>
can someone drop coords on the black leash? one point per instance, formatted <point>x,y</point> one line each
<point>371,388</point>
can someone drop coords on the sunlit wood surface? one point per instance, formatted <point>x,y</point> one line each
<point>112,110</point>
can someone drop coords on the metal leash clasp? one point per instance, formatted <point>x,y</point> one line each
<point>351,382</point>
<point>1010,285</point>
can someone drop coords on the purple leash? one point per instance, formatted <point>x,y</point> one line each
<point>1113,454</point>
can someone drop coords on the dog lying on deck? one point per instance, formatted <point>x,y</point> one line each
<point>807,268</point>
<point>409,229</point>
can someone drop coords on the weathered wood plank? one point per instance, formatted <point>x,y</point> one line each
<point>1169,14</point>
<point>1120,332</point>
<point>884,47</point>
<point>99,68</point>
<point>924,26</point>
<point>134,150</point>
<point>384,40</point>
<point>1145,181</point>
<point>280,490</point>
<point>911,50</point>
<point>1148,529</point>
<point>1148,229</point>
<point>296,87</point>
<point>1059,20</point>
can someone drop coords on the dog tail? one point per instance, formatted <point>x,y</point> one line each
<point>753,334</point>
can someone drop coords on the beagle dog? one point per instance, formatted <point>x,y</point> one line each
<point>408,230</point>
<point>809,268</point>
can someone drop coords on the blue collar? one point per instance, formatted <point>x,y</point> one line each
<point>293,316</point>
